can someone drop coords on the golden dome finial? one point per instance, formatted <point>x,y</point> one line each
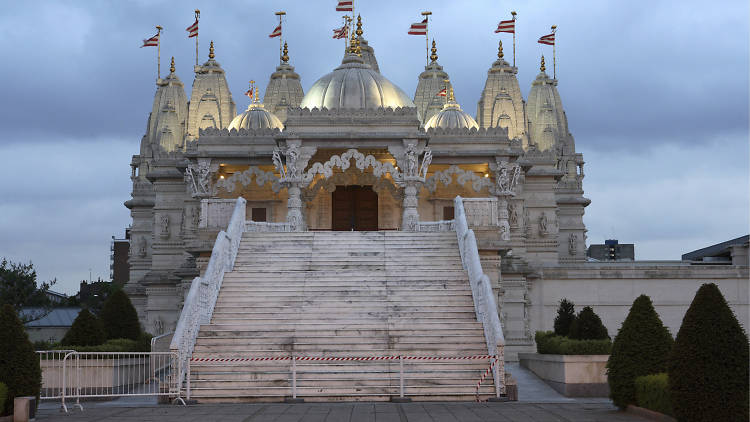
<point>542,66</point>
<point>359,25</point>
<point>211,54</point>
<point>285,56</point>
<point>451,97</point>
<point>171,66</point>
<point>434,55</point>
<point>500,54</point>
<point>353,44</point>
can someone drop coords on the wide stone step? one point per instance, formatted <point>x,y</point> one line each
<point>209,330</point>
<point>338,340</point>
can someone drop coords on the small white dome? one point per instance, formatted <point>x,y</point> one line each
<point>256,117</point>
<point>355,84</point>
<point>451,117</point>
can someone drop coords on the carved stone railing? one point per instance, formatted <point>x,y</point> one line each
<point>481,212</point>
<point>216,213</point>
<point>261,226</point>
<point>481,291</point>
<point>204,290</point>
<point>436,226</point>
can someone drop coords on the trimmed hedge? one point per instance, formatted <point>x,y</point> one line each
<point>547,343</point>
<point>640,348</point>
<point>652,392</point>
<point>86,331</point>
<point>3,397</point>
<point>708,365</point>
<point>566,314</point>
<point>115,345</point>
<point>119,317</point>
<point>588,326</point>
<point>19,364</point>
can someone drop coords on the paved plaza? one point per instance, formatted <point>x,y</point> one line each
<point>350,412</point>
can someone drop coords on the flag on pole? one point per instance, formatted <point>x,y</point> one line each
<point>151,42</point>
<point>506,26</point>
<point>249,92</point>
<point>443,92</point>
<point>345,6</point>
<point>419,28</point>
<point>276,32</point>
<point>547,39</point>
<point>340,33</point>
<point>192,29</point>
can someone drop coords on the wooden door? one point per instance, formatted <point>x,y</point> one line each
<point>354,208</point>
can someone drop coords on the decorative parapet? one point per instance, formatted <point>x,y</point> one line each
<point>260,226</point>
<point>393,117</point>
<point>216,213</point>
<point>478,132</point>
<point>436,226</point>
<point>212,131</point>
<point>481,212</point>
<point>464,176</point>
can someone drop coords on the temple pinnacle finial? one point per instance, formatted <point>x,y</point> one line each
<point>542,68</point>
<point>353,44</point>
<point>285,57</point>
<point>359,26</point>
<point>451,97</point>
<point>211,54</point>
<point>434,55</point>
<point>500,50</point>
<point>171,66</point>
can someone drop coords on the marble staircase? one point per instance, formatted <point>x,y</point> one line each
<point>342,294</point>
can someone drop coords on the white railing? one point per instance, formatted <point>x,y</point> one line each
<point>67,375</point>
<point>481,290</point>
<point>262,226</point>
<point>161,342</point>
<point>201,298</point>
<point>436,226</point>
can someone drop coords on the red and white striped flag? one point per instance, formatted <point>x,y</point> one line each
<point>192,29</point>
<point>345,6</point>
<point>340,33</point>
<point>506,26</point>
<point>547,39</point>
<point>276,32</point>
<point>151,42</point>
<point>443,92</point>
<point>419,28</point>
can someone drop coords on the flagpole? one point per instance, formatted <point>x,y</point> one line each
<point>197,16</point>
<point>348,25</point>
<point>554,60</point>
<point>158,52</point>
<point>513,13</point>
<point>281,41</point>
<point>426,15</point>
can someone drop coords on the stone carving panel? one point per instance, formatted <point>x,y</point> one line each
<point>245,178</point>
<point>463,176</point>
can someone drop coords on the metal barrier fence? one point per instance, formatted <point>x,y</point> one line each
<point>408,378</point>
<point>68,375</point>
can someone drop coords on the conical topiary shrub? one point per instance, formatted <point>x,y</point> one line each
<point>19,364</point>
<point>566,314</point>
<point>640,348</point>
<point>119,317</point>
<point>708,364</point>
<point>588,326</point>
<point>85,331</point>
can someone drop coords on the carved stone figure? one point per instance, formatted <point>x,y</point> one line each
<point>543,231</point>
<point>573,244</point>
<point>506,178</point>
<point>158,326</point>
<point>411,160</point>
<point>164,226</point>
<point>513,215</point>
<point>426,160</point>
<point>142,247</point>
<point>292,156</point>
<point>527,224</point>
<point>198,175</point>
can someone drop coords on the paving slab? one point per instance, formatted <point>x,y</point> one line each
<point>574,410</point>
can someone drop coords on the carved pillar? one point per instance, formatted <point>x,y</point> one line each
<point>411,179</point>
<point>293,178</point>
<point>506,180</point>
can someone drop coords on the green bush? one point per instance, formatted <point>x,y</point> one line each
<point>113,345</point>
<point>640,348</point>
<point>547,343</point>
<point>3,397</point>
<point>708,365</point>
<point>588,326</point>
<point>119,317</point>
<point>652,392</point>
<point>86,331</point>
<point>19,365</point>
<point>566,314</point>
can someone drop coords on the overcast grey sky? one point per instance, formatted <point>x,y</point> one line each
<point>656,95</point>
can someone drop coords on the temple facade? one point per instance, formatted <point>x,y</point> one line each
<point>356,152</point>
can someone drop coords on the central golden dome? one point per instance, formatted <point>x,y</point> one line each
<point>356,85</point>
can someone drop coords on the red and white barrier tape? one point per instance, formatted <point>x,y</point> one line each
<point>485,374</point>
<point>347,358</point>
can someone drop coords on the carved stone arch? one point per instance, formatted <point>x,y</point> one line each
<point>349,177</point>
<point>463,176</point>
<point>246,177</point>
<point>343,162</point>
